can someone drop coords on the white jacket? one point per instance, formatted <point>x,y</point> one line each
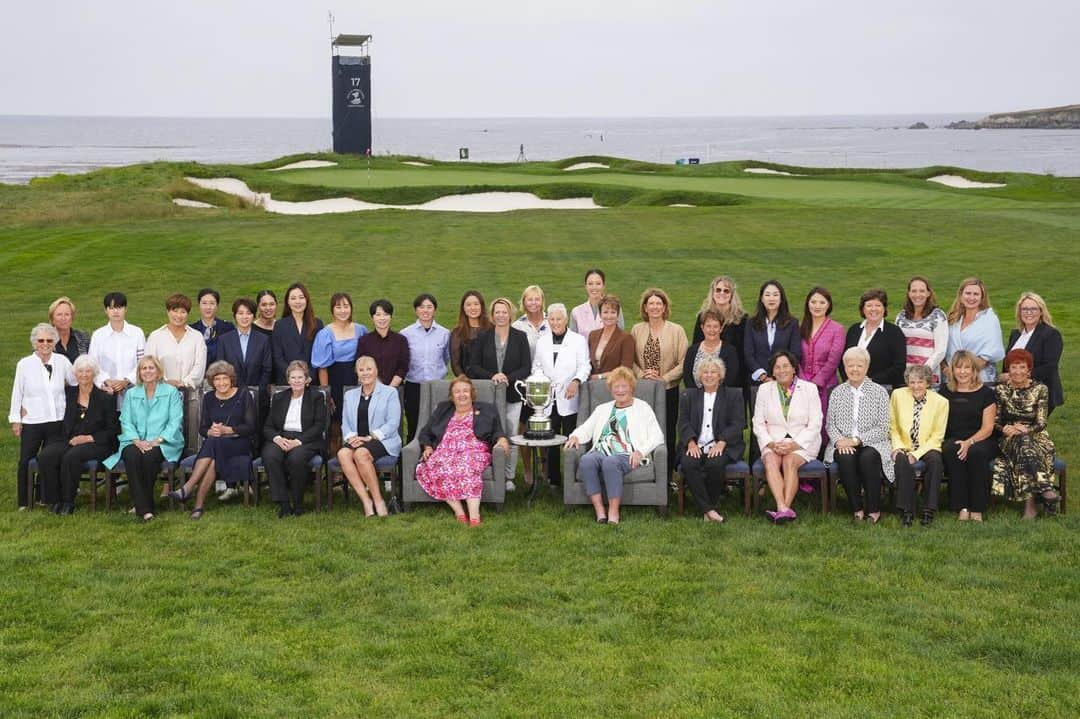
<point>645,432</point>
<point>573,363</point>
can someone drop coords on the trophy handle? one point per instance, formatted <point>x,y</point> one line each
<point>519,386</point>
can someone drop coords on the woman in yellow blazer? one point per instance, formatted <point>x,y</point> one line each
<point>918,419</point>
<point>659,349</point>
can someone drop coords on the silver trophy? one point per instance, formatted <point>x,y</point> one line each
<point>538,392</point>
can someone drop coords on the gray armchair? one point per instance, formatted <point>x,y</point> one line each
<point>431,393</point>
<point>646,485</point>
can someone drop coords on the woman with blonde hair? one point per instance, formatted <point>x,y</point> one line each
<point>72,342</point>
<point>723,299</point>
<point>1036,333</point>
<point>974,326</point>
<point>533,321</point>
<point>969,443</point>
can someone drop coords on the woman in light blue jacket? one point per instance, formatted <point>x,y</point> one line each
<point>370,424</point>
<point>151,432</point>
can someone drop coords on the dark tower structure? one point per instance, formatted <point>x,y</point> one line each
<point>352,94</point>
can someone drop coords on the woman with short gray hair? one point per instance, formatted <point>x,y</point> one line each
<point>857,423</point>
<point>918,417</point>
<point>38,400</point>
<point>563,356</point>
<point>711,422</point>
<point>90,429</point>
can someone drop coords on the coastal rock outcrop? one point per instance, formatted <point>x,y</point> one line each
<point>1066,117</point>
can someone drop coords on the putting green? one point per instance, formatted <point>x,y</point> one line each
<point>870,192</point>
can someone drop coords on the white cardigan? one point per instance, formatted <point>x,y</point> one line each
<point>803,421</point>
<point>573,363</point>
<point>645,432</point>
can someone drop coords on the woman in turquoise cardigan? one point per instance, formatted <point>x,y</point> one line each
<point>151,432</point>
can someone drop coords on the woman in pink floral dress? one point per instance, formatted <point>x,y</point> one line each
<point>457,442</point>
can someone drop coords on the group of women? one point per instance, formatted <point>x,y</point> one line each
<point>774,362</point>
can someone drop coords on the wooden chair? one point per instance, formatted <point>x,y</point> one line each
<point>736,473</point>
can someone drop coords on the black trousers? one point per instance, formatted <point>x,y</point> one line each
<point>61,466</point>
<point>288,471</point>
<point>412,409</point>
<point>860,473</point>
<point>142,469</point>
<point>671,412</point>
<point>969,480</point>
<point>562,424</point>
<point>906,500</point>
<point>32,439</point>
<point>704,477</point>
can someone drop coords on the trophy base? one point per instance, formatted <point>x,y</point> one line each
<point>539,434</point>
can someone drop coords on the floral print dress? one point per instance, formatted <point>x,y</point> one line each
<point>1026,464</point>
<point>455,469</point>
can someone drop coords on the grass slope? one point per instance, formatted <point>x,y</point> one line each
<point>535,613</point>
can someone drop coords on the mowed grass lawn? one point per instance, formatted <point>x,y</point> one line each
<point>536,613</point>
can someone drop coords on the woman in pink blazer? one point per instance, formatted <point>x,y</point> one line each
<point>822,345</point>
<point>787,425</point>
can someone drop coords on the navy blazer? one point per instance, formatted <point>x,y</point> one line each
<point>287,344</point>
<point>1045,345</point>
<point>728,419</point>
<point>313,416</point>
<point>757,350</point>
<point>727,354</point>
<point>517,365</point>
<point>254,370</point>
<point>487,424</point>
<point>888,354</point>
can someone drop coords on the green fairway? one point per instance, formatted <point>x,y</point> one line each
<point>535,613</point>
<point>797,189</point>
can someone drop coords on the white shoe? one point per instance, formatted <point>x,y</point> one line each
<point>228,494</point>
<point>219,486</point>
<point>510,486</point>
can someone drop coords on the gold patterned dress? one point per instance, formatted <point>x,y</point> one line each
<point>1026,465</point>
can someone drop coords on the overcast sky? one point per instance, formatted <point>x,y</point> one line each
<point>570,58</point>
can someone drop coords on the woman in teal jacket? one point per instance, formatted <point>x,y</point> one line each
<point>151,432</point>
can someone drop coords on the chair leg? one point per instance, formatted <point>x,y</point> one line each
<point>1062,489</point>
<point>680,491</point>
<point>93,490</point>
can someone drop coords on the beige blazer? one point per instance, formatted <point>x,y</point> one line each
<point>673,345</point>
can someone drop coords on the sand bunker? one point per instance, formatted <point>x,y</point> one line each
<point>192,203</point>
<point>962,183</point>
<point>586,166</point>
<point>681,204</point>
<point>414,163</point>
<point>479,202</point>
<point>767,171</point>
<point>304,165</point>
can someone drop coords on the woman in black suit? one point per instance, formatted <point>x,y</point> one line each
<point>773,315</point>
<point>90,428</point>
<point>882,339</point>
<point>710,438</point>
<point>294,433</point>
<point>253,366</point>
<point>501,354</point>
<point>1036,333</point>
<point>295,333</point>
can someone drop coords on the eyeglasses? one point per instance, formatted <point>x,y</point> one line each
<point>722,290</point>
<point>41,340</point>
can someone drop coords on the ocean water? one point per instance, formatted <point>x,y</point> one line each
<point>40,146</point>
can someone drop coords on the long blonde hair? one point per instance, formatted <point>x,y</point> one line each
<point>956,312</point>
<point>734,313</point>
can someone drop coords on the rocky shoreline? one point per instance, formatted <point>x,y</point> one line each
<point>1066,117</point>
